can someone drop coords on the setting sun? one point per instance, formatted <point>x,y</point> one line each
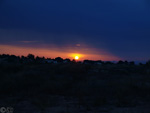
<point>76,57</point>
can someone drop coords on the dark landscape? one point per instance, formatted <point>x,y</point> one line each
<point>40,85</point>
<point>74,56</point>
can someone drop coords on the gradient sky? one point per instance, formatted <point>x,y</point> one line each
<point>95,29</point>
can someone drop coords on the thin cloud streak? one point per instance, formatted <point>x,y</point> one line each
<point>27,41</point>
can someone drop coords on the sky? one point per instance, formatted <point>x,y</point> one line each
<point>93,29</point>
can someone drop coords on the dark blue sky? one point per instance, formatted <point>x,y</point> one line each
<point>120,27</point>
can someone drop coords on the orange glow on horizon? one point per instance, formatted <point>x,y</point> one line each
<point>51,53</point>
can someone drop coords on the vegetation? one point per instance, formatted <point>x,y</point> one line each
<point>86,83</point>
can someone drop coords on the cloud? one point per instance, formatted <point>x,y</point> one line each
<point>78,45</point>
<point>27,41</point>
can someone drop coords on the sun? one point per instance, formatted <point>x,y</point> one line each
<point>76,57</point>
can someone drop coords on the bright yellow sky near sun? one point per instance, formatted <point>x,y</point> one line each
<point>76,57</point>
<point>17,50</point>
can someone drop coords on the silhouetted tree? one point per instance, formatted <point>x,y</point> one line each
<point>48,58</point>
<point>67,60</point>
<point>30,56</point>
<point>43,58</point>
<point>132,63</point>
<point>4,55</point>
<point>89,62</point>
<point>120,62</point>
<point>11,58</point>
<point>140,64</point>
<point>59,59</point>
<point>74,61</point>
<point>100,61</point>
<point>126,62</point>
<point>148,63</point>
<point>22,57</point>
<point>108,62</point>
<point>37,58</point>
